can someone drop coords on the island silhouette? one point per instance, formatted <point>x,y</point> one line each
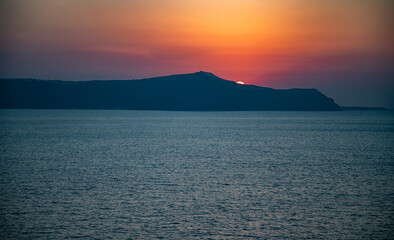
<point>200,91</point>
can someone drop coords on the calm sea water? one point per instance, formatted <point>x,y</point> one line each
<point>196,175</point>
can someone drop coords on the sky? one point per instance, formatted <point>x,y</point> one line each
<point>344,48</point>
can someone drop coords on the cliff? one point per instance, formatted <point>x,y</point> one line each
<point>199,91</point>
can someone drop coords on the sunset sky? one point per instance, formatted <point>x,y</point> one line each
<point>344,48</point>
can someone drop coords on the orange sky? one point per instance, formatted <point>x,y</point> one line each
<point>281,43</point>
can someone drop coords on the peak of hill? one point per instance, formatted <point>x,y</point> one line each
<point>193,91</point>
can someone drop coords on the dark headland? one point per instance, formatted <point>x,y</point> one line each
<point>200,91</point>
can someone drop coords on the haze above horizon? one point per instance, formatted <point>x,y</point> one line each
<point>343,48</point>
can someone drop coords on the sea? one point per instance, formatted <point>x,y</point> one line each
<point>118,174</point>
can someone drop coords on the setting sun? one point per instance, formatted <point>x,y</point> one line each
<point>178,119</point>
<point>328,45</point>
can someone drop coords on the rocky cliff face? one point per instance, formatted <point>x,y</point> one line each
<point>199,91</point>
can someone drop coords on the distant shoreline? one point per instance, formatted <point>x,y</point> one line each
<point>364,108</point>
<point>199,91</point>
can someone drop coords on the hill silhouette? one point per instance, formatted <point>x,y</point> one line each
<point>200,91</point>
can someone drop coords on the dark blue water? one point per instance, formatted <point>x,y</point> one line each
<point>196,175</point>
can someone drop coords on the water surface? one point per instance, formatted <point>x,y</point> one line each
<point>196,175</point>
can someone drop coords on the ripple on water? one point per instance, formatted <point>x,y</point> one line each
<point>196,175</point>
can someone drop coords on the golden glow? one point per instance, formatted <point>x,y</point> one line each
<point>239,82</point>
<point>232,38</point>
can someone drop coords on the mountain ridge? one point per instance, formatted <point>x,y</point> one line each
<point>199,91</point>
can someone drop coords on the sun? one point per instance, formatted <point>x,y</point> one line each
<point>239,82</point>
